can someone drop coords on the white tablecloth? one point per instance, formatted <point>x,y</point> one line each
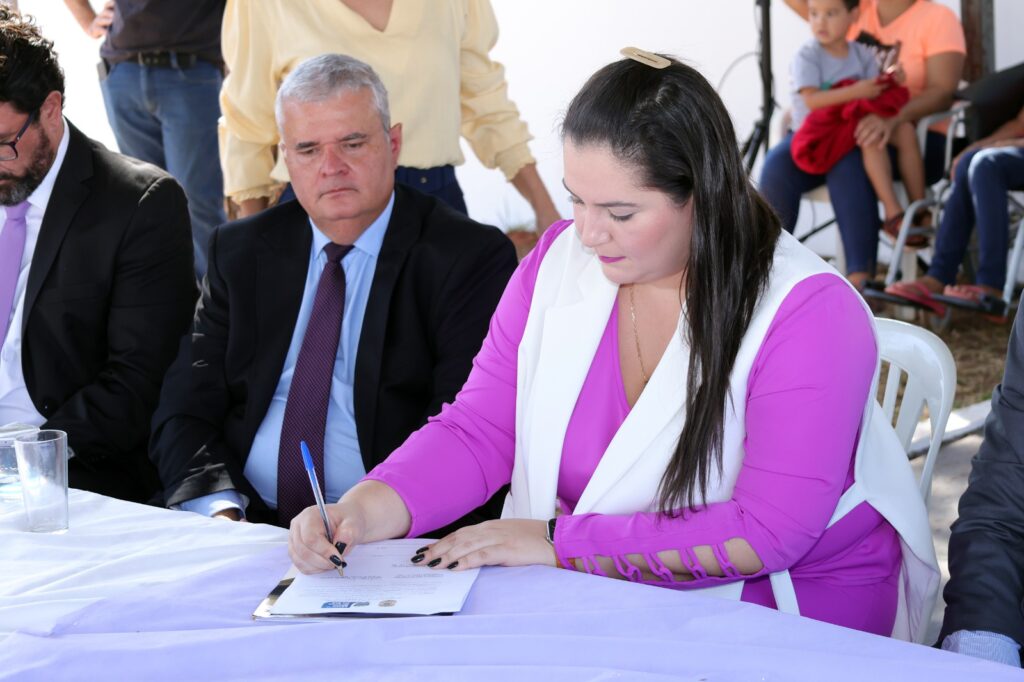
<point>133,592</point>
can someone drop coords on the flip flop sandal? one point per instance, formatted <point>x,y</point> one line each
<point>917,293</point>
<point>891,226</point>
<point>974,297</point>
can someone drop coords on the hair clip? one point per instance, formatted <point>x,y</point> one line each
<point>645,57</point>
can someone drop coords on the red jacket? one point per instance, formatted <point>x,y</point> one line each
<point>827,133</point>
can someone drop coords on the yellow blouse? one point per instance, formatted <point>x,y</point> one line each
<point>432,57</point>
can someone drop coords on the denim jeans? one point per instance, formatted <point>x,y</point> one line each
<point>168,117</point>
<point>853,199</point>
<point>983,178</point>
<point>439,181</point>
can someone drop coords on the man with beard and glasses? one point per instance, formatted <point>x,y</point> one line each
<point>96,283</point>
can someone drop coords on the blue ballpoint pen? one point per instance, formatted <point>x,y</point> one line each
<point>307,459</point>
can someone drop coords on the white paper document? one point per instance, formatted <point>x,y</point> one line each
<point>379,580</point>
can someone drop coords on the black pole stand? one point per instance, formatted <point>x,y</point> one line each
<point>759,137</point>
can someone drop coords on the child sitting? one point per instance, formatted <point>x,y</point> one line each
<point>830,60</point>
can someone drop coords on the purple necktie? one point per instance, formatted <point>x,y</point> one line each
<point>305,413</point>
<point>12,247</point>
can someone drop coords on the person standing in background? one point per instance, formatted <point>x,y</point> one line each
<point>432,57</point>
<point>161,72</point>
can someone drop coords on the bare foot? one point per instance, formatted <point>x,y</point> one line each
<point>931,284</point>
<point>963,289</point>
<point>858,279</point>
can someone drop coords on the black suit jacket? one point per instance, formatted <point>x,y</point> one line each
<point>986,548</point>
<point>438,278</point>
<point>110,291</point>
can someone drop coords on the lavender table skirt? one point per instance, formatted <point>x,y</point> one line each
<point>519,623</point>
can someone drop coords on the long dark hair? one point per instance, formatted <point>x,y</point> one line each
<point>671,125</point>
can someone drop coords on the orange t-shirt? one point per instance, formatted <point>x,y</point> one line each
<point>925,29</point>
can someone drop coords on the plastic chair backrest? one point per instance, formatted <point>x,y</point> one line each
<point>931,380</point>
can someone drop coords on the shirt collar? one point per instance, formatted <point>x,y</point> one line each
<point>369,242</point>
<point>40,197</point>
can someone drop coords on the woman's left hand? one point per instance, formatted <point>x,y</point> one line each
<point>504,542</point>
<point>874,131</point>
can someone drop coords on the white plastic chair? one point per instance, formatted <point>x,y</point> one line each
<point>931,380</point>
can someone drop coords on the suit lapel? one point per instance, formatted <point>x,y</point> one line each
<point>402,233</point>
<point>70,190</point>
<point>282,262</point>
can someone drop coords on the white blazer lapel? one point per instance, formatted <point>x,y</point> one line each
<point>570,333</point>
<point>659,414</point>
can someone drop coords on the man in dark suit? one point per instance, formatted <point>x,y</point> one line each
<point>410,282</point>
<point>96,283</point>
<point>985,592</point>
<point>984,616</point>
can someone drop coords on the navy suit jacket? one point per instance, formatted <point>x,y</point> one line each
<point>438,278</point>
<point>110,291</point>
<point>986,548</point>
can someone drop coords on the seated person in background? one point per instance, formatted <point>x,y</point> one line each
<point>344,318</point>
<point>932,52</point>
<point>986,548</point>
<point>982,175</point>
<point>819,69</point>
<point>96,283</point>
<point>602,391</point>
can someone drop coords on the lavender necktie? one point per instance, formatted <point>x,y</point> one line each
<point>12,247</point>
<point>305,413</point>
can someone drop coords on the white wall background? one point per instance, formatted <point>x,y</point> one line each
<point>549,49</point>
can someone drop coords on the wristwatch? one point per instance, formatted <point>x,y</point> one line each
<point>550,537</point>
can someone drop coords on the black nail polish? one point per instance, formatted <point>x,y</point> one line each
<point>336,560</point>
<point>435,562</point>
<point>418,558</point>
<point>340,546</point>
<point>452,565</point>
<point>344,564</point>
<point>423,549</point>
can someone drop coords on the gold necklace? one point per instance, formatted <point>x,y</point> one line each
<point>636,334</point>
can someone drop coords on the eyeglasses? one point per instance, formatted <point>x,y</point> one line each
<point>8,150</point>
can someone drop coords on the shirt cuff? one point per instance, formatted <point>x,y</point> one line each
<point>512,160</point>
<point>264,192</point>
<point>208,505</point>
<point>990,646</point>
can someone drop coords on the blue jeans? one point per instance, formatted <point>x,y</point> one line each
<point>439,181</point>
<point>983,178</point>
<point>853,199</point>
<point>168,117</point>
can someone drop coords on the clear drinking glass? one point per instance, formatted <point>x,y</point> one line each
<point>43,467</point>
<point>10,486</point>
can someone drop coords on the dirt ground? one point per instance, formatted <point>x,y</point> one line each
<point>979,348</point>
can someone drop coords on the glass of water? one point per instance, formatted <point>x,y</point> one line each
<point>43,467</point>
<point>10,487</point>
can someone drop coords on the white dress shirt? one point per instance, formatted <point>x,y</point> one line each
<point>15,403</point>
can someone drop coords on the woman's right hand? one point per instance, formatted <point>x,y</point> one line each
<point>308,546</point>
